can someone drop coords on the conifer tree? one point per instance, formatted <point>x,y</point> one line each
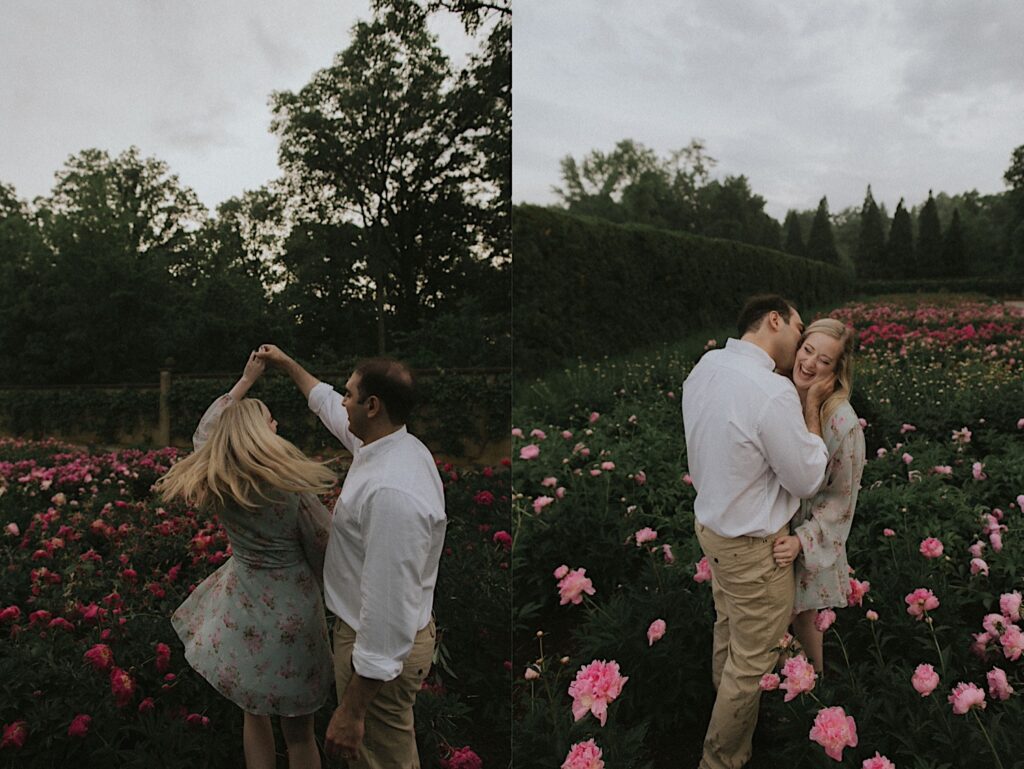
<point>870,254</point>
<point>928,261</point>
<point>821,244</point>
<point>794,237</point>
<point>954,263</point>
<point>901,244</point>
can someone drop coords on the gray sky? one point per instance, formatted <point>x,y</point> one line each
<point>187,81</point>
<point>805,97</point>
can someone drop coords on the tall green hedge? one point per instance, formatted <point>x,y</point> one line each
<point>997,287</point>
<point>586,288</point>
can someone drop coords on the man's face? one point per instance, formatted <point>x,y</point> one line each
<point>789,341</point>
<point>351,400</point>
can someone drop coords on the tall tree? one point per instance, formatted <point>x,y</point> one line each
<point>901,244</point>
<point>729,209</point>
<point>953,259</point>
<point>794,237</point>
<point>928,261</point>
<point>870,253</point>
<point>375,140</point>
<point>820,243</point>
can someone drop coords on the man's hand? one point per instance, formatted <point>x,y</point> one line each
<point>786,549</point>
<point>820,390</point>
<point>254,369</point>
<point>272,354</point>
<point>344,734</point>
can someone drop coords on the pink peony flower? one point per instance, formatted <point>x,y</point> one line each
<point>907,428</point>
<point>666,552</point>
<point>646,534</point>
<point>594,416</point>
<point>931,548</point>
<point>907,458</point>
<point>79,725</point>
<point>920,601</point>
<point>517,432</point>
<point>541,502</point>
<point>14,735</point>
<point>197,720</point>
<point>640,477</point>
<point>10,614</point>
<point>872,615</point>
<point>484,498</point>
<point>769,682</point>
<point>925,679</point>
<point>834,730</point>
<point>462,758</point>
<point>567,435</point>
<point>800,677</point>
<point>12,530</point>
<point>877,761</point>
<point>530,451</point>
<point>100,657</point>
<point>584,755</point>
<point>703,571</point>
<point>608,466</point>
<point>889,532</point>
<point>977,549</point>
<point>998,687</point>
<point>978,566</point>
<point>560,492</point>
<point>573,585</point>
<point>995,538</point>
<point>539,434</point>
<point>824,619</point>
<point>146,705</point>
<point>561,571</point>
<point>980,646</point>
<point>976,471</point>
<point>1012,642</point>
<point>1009,605</point>
<point>531,674</point>
<point>942,470</point>
<point>550,482</point>
<point>965,697</point>
<point>962,436</point>
<point>858,590</point>
<point>122,685</point>
<point>163,657</point>
<point>655,631</point>
<point>596,685</point>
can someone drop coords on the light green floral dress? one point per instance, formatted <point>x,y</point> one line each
<point>255,629</point>
<point>823,523</point>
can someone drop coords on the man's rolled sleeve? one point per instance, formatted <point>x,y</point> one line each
<point>325,402</point>
<point>397,540</point>
<point>798,456</point>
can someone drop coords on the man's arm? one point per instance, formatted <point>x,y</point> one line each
<point>797,455</point>
<point>276,357</point>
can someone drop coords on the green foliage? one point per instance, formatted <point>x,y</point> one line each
<point>821,244</point>
<point>585,287</point>
<point>995,287</point>
<point>954,261</point>
<point>929,241</point>
<point>794,237</point>
<point>870,256</point>
<point>901,245</point>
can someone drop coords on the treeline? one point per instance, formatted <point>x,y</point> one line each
<point>963,235</point>
<point>388,229</point>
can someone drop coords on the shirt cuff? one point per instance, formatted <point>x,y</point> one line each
<point>374,666</point>
<point>319,392</point>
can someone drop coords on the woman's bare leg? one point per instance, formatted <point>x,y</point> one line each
<point>258,742</point>
<point>810,638</point>
<point>298,735</point>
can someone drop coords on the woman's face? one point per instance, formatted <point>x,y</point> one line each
<point>815,359</point>
<point>270,420</point>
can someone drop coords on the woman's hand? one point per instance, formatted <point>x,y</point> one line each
<point>821,389</point>
<point>254,368</point>
<point>786,549</point>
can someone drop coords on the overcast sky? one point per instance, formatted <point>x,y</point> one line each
<point>187,81</point>
<point>805,97</point>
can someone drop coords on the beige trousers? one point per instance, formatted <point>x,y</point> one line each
<point>753,602</point>
<point>389,740</point>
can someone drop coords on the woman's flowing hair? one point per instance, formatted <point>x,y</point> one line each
<point>243,460</point>
<point>844,364</point>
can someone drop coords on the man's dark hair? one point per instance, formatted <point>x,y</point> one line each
<point>757,307</point>
<point>392,382</point>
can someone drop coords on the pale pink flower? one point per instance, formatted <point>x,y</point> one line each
<point>998,687</point>
<point>889,532</point>
<point>967,696</point>
<point>541,502</point>
<point>608,466</point>
<point>920,601</point>
<point>529,451</point>
<point>539,434</point>
<point>962,436</point>
<point>907,428</point>
<point>561,571</point>
<point>824,619</point>
<point>976,471</point>
<point>687,479</point>
<point>980,646</point>
<point>863,423</point>
<point>1020,424</point>
<point>1009,605</point>
<point>560,492</point>
<point>12,530</point>
<point>640,477</point>
<point>595,686</point>
<point>595,472</point>
<point>1020,502</point>
<point>646,534</point>
<point>800,677</point>
<point>931,548</point>
<point>834,730</point>
<point>567,435</point>
<point>584,755</point>
<point>977,549</point>
<point>531,674</point>
<point>978,566</point>
<point>994,624</point>
<point>877,761</point>
<point>703,571</point>
<point>79,725</point>
<point>858,590</point>
<point>942,470</point>
<point>907,458</point>
<point>550,482</point>
<point>881,452</point>
<point>872,615</point>
<point>1013,643</point>
<point>666,552</point>
<point>996,540</point>
<point>656,631</point>
<point>517,432</point>
<point>769,682</point>
<point>925,679</point>
<point>594,416</point>
<point>573,585</point>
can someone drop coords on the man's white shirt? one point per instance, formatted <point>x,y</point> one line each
<point>748,449</point>
<point>387,534</point>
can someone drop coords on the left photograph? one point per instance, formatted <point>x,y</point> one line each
<point>255,390</point>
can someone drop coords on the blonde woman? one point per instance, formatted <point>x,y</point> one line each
<point>817,546</point>
<point>255,628</point>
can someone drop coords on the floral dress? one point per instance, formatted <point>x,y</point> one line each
<point>823,523</point>
<point>255,629</point>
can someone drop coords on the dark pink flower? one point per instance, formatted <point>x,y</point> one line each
<point>163,657</point>
<point>15,735</point>
<point>122,685</point>
<point>79,725</point>
<point>462,758</point>
<point>100,657</point>
<point>503,538</point>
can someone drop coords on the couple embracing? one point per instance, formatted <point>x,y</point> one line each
<point>256,629</point>
<point>776,454</point>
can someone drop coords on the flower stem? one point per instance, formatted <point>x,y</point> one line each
<point>987,738</point>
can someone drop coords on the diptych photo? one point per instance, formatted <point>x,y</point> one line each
<point>503,384</point>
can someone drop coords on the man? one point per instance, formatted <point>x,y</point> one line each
<point>381,565</point>
<point>753,452</point>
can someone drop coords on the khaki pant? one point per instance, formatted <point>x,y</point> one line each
<point>389,740</point>
<point>753,602</point>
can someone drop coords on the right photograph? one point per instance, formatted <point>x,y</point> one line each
<point>768,403</point>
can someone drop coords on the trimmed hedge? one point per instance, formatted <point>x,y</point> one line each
<point>994,287</point>
<point>586,288</point>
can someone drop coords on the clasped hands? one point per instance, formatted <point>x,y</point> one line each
<point>786,549</point>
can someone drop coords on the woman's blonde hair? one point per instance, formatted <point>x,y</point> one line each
<point>843,364</point>
<point>242,461</point>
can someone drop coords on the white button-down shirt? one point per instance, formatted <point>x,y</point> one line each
<point>749,452</point>
<point>387,534</point>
